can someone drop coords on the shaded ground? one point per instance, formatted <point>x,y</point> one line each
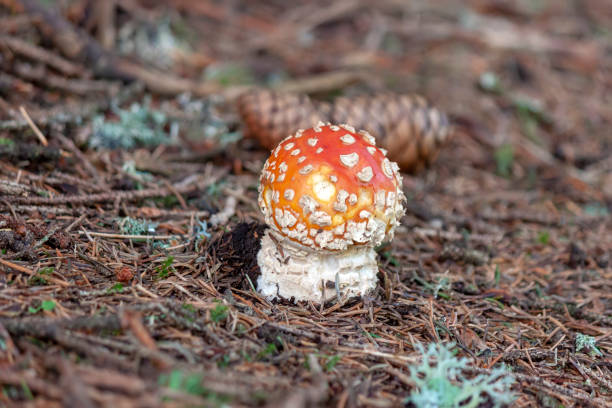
<point>505,249</point>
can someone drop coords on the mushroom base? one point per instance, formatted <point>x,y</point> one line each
<point>288,271</point>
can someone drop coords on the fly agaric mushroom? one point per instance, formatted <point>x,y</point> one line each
<point>329,196</point>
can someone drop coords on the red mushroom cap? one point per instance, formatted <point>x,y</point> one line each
<point>330,187</point>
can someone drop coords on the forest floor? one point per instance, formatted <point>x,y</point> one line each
<point>129,222</point>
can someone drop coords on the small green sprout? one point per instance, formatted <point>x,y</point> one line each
<point>497,275</point>
<point>168,201</point>
<point>224,361</point>
<point>372,334</point>
<point>164,269</point>
<point>504,158</point>
<point>26,390</point>
<point>246,356</point>
<point>331,362</point>
<point>40,277</point>
<point>116,288</point>
<point>180,381</point>
<point>219,313</point>
<point>388,255</point>
<point>529,123</point>
<point>189,308</point>
<point>533,108</point>
<point>495,300</point>
<point>440,382</point>
<point>190,312</point>
<point>266,351</point>
<point>46,305</point>
<point>191,383</point>
<point>543,237</point>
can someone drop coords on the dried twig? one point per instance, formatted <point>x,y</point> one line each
<point>32,51</point>
<point>114,195</point>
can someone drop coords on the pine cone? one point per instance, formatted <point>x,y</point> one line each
<point>271,116</point>
<point>406,125</point>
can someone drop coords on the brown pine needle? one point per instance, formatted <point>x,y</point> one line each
<point>35,129</point>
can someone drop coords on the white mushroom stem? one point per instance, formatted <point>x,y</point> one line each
<point>289,271</point>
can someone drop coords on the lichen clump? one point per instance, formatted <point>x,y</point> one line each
<point>440,382</point>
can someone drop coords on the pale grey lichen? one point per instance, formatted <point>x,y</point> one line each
<point>134,226</point>
<point>137,126</point>
<point>587,343</point>
<point>156,44</point>
<point>441,381</point>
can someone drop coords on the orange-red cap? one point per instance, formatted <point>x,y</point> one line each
<point>330,187</point>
